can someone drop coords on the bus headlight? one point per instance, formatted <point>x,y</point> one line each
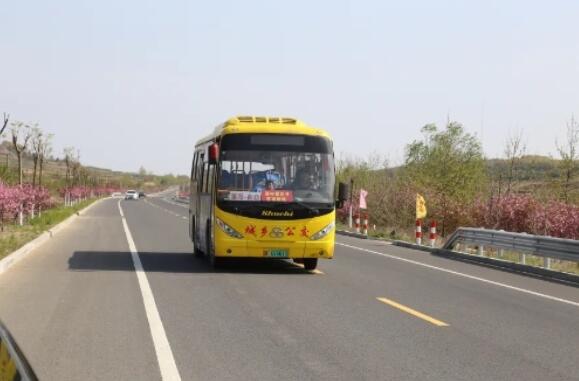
<point>324,232</point>
<point>228,229</point>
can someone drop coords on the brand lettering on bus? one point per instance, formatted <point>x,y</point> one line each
<point>272,213</point>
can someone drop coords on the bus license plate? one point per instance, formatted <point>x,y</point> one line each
<point>278,253</point>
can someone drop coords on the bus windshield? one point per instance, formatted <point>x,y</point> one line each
<point>273,168</point>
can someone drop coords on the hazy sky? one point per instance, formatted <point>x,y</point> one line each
<point>134,83</point>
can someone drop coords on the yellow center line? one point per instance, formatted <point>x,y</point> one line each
<point>410,311</point>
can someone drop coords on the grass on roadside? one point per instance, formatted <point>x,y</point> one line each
<point>14,236</point>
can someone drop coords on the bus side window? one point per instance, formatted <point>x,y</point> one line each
<point>210,178</point>
<point>193,165</point>
<point>199,172</point>
<point>205,177</point>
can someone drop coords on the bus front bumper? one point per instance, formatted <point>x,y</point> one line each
<point>233,248</point>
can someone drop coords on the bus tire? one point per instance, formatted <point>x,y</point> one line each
<point>310,263</point>
<point>210,252</point>
<point>196,251</point>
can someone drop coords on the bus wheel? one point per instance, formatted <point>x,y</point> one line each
<point>210,252</point>
<point>214,261</point>
<point>310,263</point>
<point>196,251</point>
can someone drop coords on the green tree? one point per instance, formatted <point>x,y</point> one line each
<point>448,166</point>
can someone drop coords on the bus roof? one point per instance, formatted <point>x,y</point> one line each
<point>263,125</point>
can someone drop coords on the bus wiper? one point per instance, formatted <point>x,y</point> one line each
<point>249,206</point>
<point>310,208</point>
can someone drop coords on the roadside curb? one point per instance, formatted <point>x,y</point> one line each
<point>362,236</point>
<point>414,246</point>
<point>21,253</point>
<point>351,234</point>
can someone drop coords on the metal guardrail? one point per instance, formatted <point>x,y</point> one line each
<point>542,246</point>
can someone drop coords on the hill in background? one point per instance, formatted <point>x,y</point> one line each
<point>540,175</point>
<point>54,173</point>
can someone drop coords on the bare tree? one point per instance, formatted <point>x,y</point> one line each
<point>6,119</point>
<point>21,134</point>
<point>569,155</point>
<point>37,140</point>
<point>76,168</point>
<point>73,166</point>
<point>68,161</point>
<point>514,150</point>
<point>45,151</point>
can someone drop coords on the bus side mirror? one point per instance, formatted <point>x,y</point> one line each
<point>343,194</point>
<point>14,365</point>
<point>213,154</point>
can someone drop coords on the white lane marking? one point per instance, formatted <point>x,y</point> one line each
<point>173,203</point>
<point>163,350</point>
<point>504,285</point>
<point>166,210</point>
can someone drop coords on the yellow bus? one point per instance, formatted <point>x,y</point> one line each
<point>264,187</point>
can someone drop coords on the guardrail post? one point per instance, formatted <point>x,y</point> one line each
<point>481,251</point>
<point>501,253</point>
<point>547,263</point>
<point>523,258</point>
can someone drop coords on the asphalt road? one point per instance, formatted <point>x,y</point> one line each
<point>81,311</point>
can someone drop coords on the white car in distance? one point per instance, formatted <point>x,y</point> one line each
<point>131,195</point>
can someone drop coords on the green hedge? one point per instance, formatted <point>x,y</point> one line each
<point>14,236</point>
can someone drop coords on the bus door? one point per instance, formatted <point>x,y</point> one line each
<point>204,207</point>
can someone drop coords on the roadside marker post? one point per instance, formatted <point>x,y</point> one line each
<point>365,225</point>
<point>432,233</point>
<point>419,232</point>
